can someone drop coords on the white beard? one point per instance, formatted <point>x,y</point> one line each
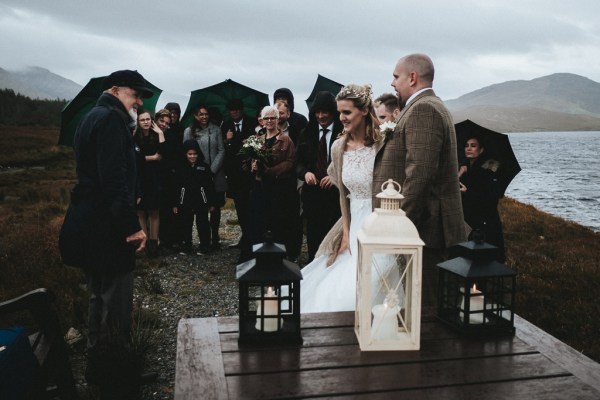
<point>133,113</point>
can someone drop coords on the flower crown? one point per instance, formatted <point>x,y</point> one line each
<point>363,93</point>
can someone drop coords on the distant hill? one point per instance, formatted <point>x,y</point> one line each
<point>557,102</point>
<point>39,83</point>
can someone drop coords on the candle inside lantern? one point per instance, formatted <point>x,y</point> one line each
<point>270,324</point>
<point>475,304</point>
<point>385,322</point>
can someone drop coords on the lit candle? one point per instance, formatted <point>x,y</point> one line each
<point>385,322</point>
<point>270,324</point>
<point>475,304</point>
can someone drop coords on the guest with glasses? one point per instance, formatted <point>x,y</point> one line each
<point>149,138</point>
<point>274,182</point>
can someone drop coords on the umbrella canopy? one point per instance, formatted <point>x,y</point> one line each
<point>497,146</point>
<point>85,100</point>
<point>216,97</point>
<point>323,84</point>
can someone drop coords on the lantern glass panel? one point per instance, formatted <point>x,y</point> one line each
<point>389,274</point>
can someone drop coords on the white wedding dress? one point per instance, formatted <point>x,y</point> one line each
<point>333,288</point>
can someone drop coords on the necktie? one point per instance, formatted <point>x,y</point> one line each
<point>237,127</point>
<point>321,167</point>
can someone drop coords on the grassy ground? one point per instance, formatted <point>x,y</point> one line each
<point>558,262</point>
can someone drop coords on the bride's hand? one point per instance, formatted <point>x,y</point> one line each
<point>345,244</point>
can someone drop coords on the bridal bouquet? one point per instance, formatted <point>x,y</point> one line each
<point>387,129</point>
<point>254,148</point>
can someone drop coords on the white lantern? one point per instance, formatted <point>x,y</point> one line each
<point>388,289</point>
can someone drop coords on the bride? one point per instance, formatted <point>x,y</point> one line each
<point>329,282</point>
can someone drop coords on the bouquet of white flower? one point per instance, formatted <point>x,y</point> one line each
<point>254,148</point>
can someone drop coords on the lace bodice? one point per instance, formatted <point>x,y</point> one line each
<point>357,172</point>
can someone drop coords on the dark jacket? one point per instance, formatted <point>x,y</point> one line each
<point>239,179</point>
<point>106,180</point>
<point>194,187</point>
<point>480,201</point>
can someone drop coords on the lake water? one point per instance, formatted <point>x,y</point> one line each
<point>560,174</point>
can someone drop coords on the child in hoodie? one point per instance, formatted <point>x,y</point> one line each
<point>194,197</point>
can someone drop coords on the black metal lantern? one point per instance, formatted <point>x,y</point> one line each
<point>269,297</point>
<point>476,293</point>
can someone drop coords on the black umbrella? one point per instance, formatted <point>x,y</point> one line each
<point>216,97</point>
<point>497,146</point>
<point>323,84</point>
<point>75,109</point>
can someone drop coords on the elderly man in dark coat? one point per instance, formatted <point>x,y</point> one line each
<point>106,178</point>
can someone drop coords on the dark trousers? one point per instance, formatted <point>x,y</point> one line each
<point>242,209</point>
<point>110,307</point>
<point>202,226</point>
<point>321,211</point>
<point>431,258</point>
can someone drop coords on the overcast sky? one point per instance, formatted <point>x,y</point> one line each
<point>185,45</point>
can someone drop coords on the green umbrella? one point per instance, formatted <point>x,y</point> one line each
<point>85,100</point>
<point>323,84</point>
<point>215,98</point>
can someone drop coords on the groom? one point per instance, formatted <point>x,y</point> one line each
<point>421,156</point>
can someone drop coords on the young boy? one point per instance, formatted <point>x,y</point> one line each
<point>194,197</point>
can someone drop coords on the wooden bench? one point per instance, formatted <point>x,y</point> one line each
<point>530,365</point>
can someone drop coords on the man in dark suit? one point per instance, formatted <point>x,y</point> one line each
<point>320,199</point>
<point>421,156</point>
<point>106,177</point>
<point>235,130</point>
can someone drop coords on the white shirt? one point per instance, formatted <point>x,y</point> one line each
<point>415,94</point>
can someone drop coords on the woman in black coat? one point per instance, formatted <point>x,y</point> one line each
<point>194,196</point>
<point>480,194</point>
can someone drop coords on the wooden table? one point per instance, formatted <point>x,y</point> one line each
<point>530,365</point>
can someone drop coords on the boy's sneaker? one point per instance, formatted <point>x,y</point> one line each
<point>204,249</point>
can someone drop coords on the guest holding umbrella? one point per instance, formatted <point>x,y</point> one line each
<point>210,140</point>
<point>274,182</point>
<point>480,190</point>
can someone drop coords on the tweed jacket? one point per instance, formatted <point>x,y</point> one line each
<point>421,156</point>
<point>332,241</point>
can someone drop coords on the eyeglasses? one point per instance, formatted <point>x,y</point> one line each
<point>145,120</point>
<point>269,118</point>
<point>203,115</point>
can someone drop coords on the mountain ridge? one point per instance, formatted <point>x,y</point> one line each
<point>39,83</point>
<point>556,102</point>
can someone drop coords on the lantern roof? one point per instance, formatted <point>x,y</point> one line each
<point>257,270</point>
<point>476,249</point>
<point>470,268</point>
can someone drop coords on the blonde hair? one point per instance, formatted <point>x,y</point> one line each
<point>361,97</point>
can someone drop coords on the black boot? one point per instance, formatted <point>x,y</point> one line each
<point>152,248</point>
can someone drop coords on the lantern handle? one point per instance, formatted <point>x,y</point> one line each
<point>388,186</point>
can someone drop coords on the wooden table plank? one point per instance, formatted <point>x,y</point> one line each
<point>561,388</point>
<point>305,358</point>
<point>340,335</point>
<point>332,382</point>
<point>573,361</point>
<point>199,362</point>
